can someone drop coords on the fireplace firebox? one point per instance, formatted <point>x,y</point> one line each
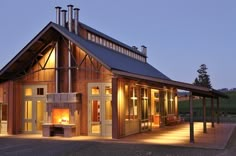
<point>62,117</point>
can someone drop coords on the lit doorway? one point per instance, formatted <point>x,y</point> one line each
<point>34,106</point>
<point>3,118</point>
<point>146,117</point>
<point>100,109</point>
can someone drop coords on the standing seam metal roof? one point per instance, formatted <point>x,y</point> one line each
<point>112,59</point>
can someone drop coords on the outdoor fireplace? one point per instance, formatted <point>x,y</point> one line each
<point>62,114</point>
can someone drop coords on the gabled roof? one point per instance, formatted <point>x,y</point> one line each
<point>109,58</point>
<point>116,62</point>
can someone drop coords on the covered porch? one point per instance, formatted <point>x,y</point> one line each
<point>193,90</point>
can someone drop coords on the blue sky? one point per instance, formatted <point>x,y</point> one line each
<point>180,34</point>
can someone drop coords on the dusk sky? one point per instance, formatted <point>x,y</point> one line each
<point>180,34</point>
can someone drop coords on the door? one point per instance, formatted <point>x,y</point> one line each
<point>100,116</point>
<point>145,111</point>
<point>33,115</point>
<point>3,118</point>
<point>95,116</point>
<point>107,117</point>
<point>34,108</point>
<point>100,109</point>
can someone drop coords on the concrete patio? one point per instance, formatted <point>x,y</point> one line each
<point>178,135</point>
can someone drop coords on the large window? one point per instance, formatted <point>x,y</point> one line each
<point>132,107</point>
<point>145,107</point>
<point>171,103</point>
<point>156,103</point>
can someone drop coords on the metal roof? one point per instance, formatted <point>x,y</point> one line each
<point>112,59</point>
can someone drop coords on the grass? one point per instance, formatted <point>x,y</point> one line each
<point>227,106</point>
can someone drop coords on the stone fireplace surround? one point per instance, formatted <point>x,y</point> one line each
<point>69,101</point>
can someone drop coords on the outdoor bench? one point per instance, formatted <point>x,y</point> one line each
<point>173,120</point>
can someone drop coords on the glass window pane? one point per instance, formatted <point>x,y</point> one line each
<point>28,109</point>
<point>95,114</point>
<point>28,126</point>
<point>40,91</point>
<point>95,90</point>
<point>108,90</point>
<point>89,36</point>
<point>40,110</point>
<point>4,112</point>
<point>108,110</point>
<point>28,92</point>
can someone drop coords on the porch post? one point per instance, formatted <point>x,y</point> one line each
<point>218,110</point>
<point>212,112</point>
<point>115,117</point>
<point>204,115</point>
<point>191,117</point>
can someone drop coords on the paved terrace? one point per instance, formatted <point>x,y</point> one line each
<point>167,141</point>
<point>178,135</point>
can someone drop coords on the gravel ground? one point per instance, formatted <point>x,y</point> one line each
<point>10,146</point>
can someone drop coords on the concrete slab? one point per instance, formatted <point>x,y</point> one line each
<point>178,135</point>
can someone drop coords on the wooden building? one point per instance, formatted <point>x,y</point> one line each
<point>73,80</point>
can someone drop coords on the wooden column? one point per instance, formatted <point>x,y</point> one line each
<point>11,120</point>
<point>191,118</point>
<point>204,115</point>
<point>212,112</point>
<point>115,114</point>
<point>218,110</point>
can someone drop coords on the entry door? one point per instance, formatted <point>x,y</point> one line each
<point>145,111</point>
<point>100,116</point>
<point>107,117</point>
<point>33,115</point>
<point>3,118</point>
<point>99,109</point>
<point>95,116</point>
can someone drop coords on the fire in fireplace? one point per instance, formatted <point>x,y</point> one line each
<point>60,116</point>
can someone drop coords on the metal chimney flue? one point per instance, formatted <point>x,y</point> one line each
<point>76,16</point>
<point>63,19</point>
<point>144,50</point>
<point>70,17</point>
<point>58,13</point>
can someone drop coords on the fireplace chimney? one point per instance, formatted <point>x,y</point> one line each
<point>76,16</point>
<point>144,50</point>
<point>70,17</point>
<point>58,17</point>
<point>63,19</point>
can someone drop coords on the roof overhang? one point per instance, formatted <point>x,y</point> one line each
<point>196,90</point>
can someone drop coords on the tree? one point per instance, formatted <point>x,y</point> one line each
<point>203,78</point>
